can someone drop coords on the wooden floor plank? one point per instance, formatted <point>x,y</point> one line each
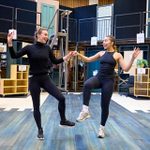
<point>124,130</point>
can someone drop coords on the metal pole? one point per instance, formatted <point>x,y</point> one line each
<point>66,51</point>
<point>76,70</point>
<point>61,66</point>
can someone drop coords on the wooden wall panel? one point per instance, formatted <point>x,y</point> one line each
<point>73,3</point>
<point>105,2</point>
<point>79,3</point>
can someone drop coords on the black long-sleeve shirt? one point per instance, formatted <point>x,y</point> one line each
<point>40,57</point>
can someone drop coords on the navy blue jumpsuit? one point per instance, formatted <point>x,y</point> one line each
<point>104,80</point>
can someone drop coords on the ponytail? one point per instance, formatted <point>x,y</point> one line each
<point>112,38</point>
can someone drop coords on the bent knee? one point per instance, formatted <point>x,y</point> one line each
<point>61,98</point>
<point>87,85</point>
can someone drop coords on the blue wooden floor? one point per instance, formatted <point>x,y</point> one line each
<point>124,130</point>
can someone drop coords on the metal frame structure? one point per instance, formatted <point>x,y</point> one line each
<point>11,19</point>
<point>63,36</point>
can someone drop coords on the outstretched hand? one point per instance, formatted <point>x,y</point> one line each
<point>75,53</point>
<point>136,52</point>
<point>68,56</point>
<point>9,38</point>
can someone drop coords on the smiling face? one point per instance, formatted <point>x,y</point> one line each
<point>109,43</point>
<point>42,36</point>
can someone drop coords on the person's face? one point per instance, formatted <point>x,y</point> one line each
<point>107,43</point>
<point>43,36</point>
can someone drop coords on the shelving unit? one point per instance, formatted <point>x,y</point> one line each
<point>3,64</point>
<point>18,81</point>
<point>7,86</point>
<point>142,82</point>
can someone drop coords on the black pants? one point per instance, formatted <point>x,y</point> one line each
<point>106,86</point>
<point>45,82</point>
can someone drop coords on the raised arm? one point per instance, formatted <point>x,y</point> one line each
<point>9,39</point>
<point>126,66</point>
<point>13,53</point>
<point>91,58</point>
<point>59,60</point>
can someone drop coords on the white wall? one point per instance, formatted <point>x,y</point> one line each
<point>147,18</point>
<point>92,2</point>
<point>127,58</point>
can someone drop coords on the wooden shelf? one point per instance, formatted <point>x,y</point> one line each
<point>142,82</point>
<point>18,81</point>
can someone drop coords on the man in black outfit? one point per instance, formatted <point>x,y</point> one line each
<point>40,55</point>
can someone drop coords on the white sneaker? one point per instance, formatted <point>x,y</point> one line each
<point>83,115</point>
<point>101,132</point>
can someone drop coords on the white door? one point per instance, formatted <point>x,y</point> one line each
<point>104,21</point>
